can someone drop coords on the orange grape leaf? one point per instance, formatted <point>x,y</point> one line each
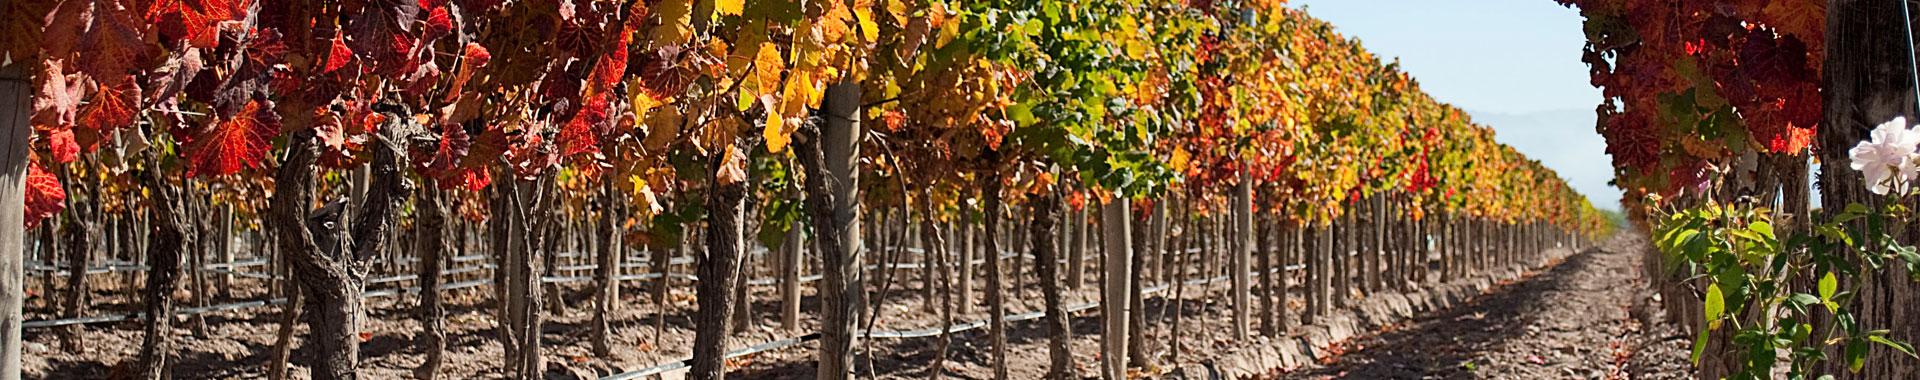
<point>718,133</point>
<point>895,120</point>
<point>832,26</point>
<point>227,146</point>
<point>767,66</point>
<point>775,132</point>
<point>1804,19</point>
<point>44,196</point>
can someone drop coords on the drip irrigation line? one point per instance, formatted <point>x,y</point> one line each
<point>449,286</point>
<point>894,334</point>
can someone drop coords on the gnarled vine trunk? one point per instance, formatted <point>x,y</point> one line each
<point>328,265</point>
<point>726,206</point>
<point>163,258</point>
<point>431,229</point>
<point>1045,233</point>
<point>996,302</point>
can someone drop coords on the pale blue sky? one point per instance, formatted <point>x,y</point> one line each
<point>1514,64</point>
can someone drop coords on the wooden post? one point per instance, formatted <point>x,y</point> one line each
<point>967,237</point>
<point>1076,250</point>
<point>223,232</point>
<point>790,260</point>
<point>15,90</point>
<point>1242,249</point>
<point>843,291</point>
<point>1114,300</point>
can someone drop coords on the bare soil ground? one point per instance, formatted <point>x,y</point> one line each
<point>1590,316</point>
<point>1579,319</point>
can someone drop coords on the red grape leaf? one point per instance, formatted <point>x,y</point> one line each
<point>57,100</point>
<point>21,27</point>
<point>661,73</point>
<point>113,43</point>
<point>380,33</point>
<point>471,59</point>
<point>611,67</point>
<point>487,146</point>
<point>452,146</point>
<point>114,105</point>
<point>61,144</point>
<point>528,154</point>
<point>581,134</point>
<point>439,22</point>
<point>196,21</point>
<point>44,197</point>
<point>579,37</point>
<point>331,131</point>
<point>239,142</point>
<point>470,179</point>
<point>339,54</point>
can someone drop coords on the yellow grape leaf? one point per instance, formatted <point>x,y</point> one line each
<point>733,167</point>
<point>946,35</point>
<point>662,128</point>
<point>746,47</point>
<point>718,48</point>
<point>776,132</point>
<point>869,29</point>
<point>676,22</point>
<point>801,88</point>
<point>1180,160</point>
<point>729,7</point>
<point>898,9</point>
<point>643,199</point>
<point>641,101</point>
<point>717,133</point>
<point>794,111</point>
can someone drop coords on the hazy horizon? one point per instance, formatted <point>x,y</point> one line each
<point>1513,64</point>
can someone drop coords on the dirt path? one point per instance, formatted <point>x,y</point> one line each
<point>1580,318</point>
<point>1575,320</point>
